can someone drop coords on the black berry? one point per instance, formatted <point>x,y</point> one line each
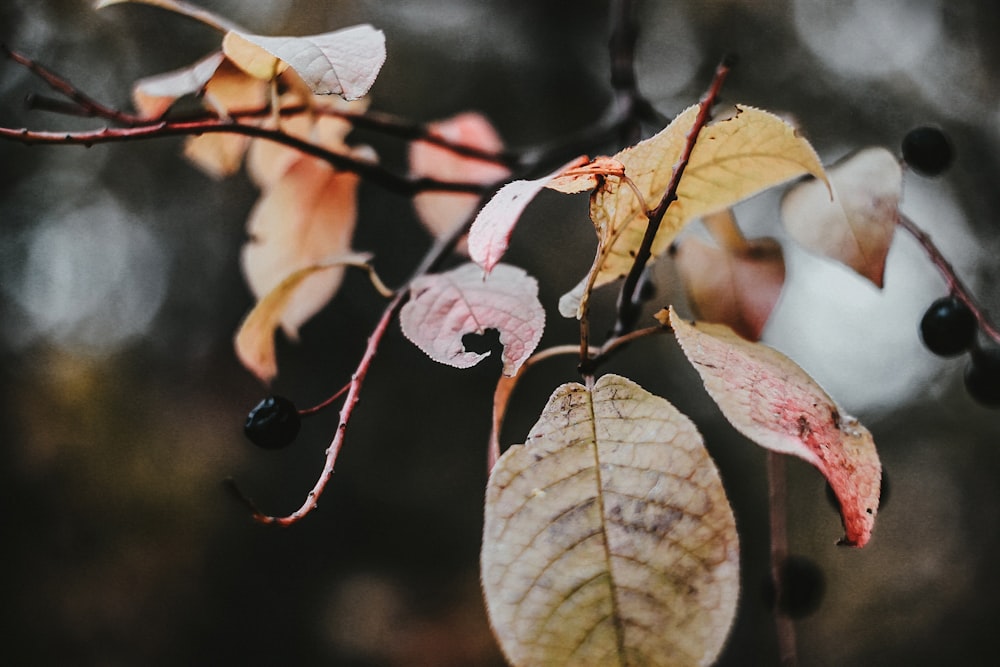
<point>802,586</point>
<point>948,327</point>
<point>927,150</point>
<point>982,376</point>
<point>273,424</point>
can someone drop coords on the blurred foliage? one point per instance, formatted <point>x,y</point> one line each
<point>123,401</point>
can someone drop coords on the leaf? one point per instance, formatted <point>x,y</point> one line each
<point>772,401</point>
<point>733,159</point>
<point>491,230</point>
<point>179,7</point>
<point>344,62</point>
<point>305,218</point>
<point>608,538</point>
<point>587,176</point>
<point>154,95</point>
<point>738,287</point>
<point>857,226</point>
<point>443,307</point>
<point>441,212</point>
<point>255,338</point>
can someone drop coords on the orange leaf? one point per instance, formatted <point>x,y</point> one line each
<point>738,287</point>
<point>855,227</point>
<point>440,212</point>
<point>306,217</point>
<point>772,401</point>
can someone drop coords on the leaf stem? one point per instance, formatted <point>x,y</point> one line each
<point>627,306</point>
<point>954,283</point>
<point>778,511</point>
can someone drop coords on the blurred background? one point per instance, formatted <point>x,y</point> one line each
<point>123,403</point>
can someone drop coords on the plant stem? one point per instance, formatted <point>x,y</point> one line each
<point>778,511</point>
<point>955,285</point>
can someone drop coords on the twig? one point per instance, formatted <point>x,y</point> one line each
<point>627,308</point>
<point>955,285</point>
<point>777,502</point>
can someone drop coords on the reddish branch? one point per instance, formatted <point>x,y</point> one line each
<point>955,285</point>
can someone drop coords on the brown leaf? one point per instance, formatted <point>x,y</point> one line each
<point>443,307</point>
<point>773,402</point>
<point>255,338</point>
<point>587,176</point>
<point>608,538</point>
<point>304,219</point>
<point>441,212</point>
<point>738,287</point>
<point>855,227</point>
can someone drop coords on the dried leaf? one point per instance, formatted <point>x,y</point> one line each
<point>344,62</point>
<point>733,159</point>
<point>154,95</point>
<point>443,307</point>
<point>608,538</point>
<point>772,401</point>
<point>738,287</point>
<point>305,218</point>
<point>491,230</point>
<point>855,227</point>
<point>440,212</point>
<point>587,176</point>
<point>255,338</point>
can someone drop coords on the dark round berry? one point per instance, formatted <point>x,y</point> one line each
<point>802,586</point>
<point>927,150</point>
<point>273,424</point>
<point>982,376</point>
<point>948,328</point>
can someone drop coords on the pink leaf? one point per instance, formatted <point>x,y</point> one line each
<point>855,227</point>
<point>444,307</point>
<point>440,212</point>
<point>772,401</point>
<point>155,94</point>
<point>490,233</point>
<point>738,287</point>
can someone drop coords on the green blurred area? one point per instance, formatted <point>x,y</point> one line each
<point>122,408</point>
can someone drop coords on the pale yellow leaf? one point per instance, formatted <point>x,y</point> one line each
<point>180,7</point>
<point>768,398</point>
<point>344,62</point>
<point>608,538</point>
<point>733,159</point>
<point>856,226</point>
<point>217,154</point>
<point>255,338</point>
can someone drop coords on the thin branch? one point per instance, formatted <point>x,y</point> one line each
<point>955,285</point>
<point>777,496</point>
<point>627,308</point>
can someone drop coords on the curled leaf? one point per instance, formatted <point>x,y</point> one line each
<point>440,212</point>
<point>180,7</point>
<point>491,230</point>
<point>772,401</point>
<point>155,94</point>
<point>608,538</point>
<point>344,62</point>
<point>733,159</point>
<point>255,338</point>
<point>443,307</point>
<point>856,226</point>
<point>738,287</point>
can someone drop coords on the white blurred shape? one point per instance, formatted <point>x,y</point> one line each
<point>92,279</point>
<point>869,39</point>
<point>862,344</point>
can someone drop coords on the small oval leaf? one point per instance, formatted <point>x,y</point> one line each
<point>608,537</point>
